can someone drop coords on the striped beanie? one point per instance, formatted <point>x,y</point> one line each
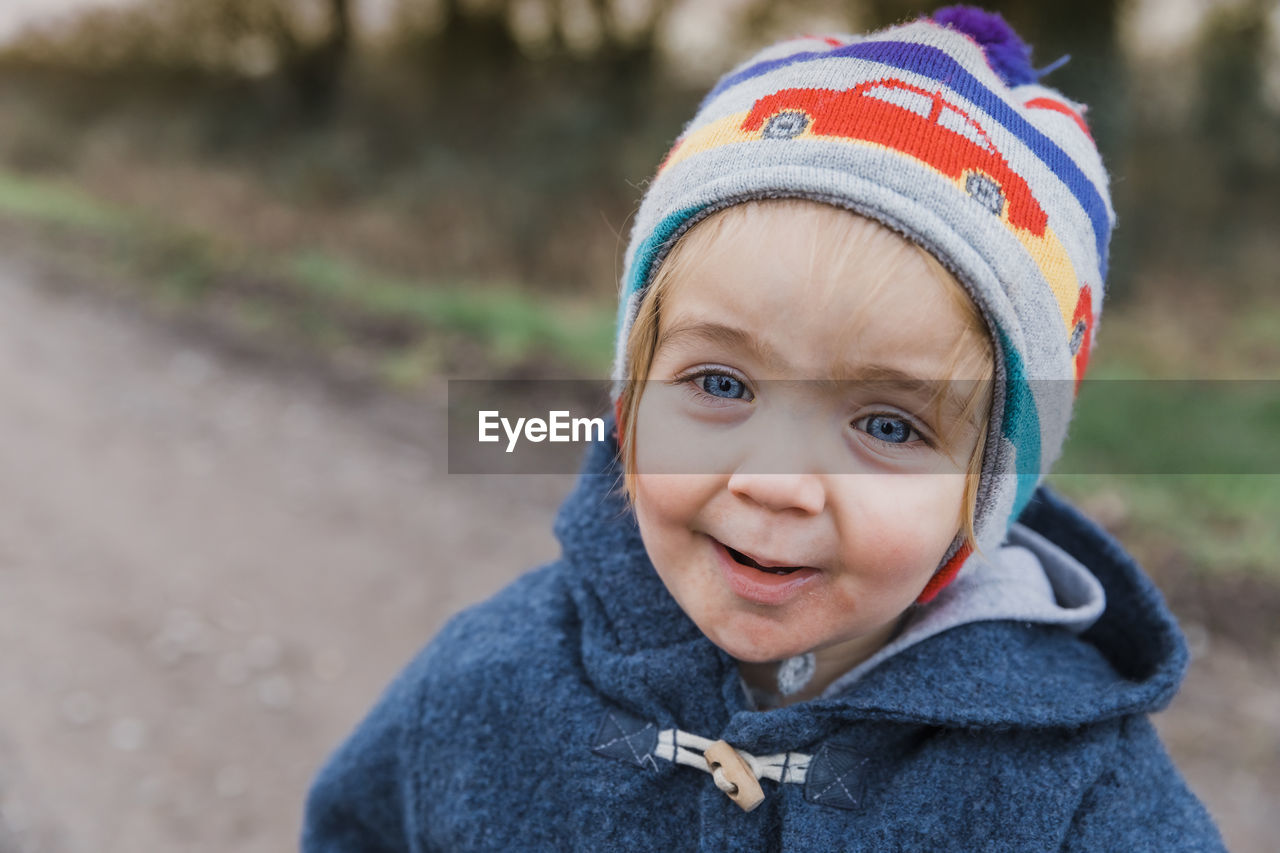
<point>938,129</point>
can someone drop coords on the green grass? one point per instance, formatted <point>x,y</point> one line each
<point>1219,524</point>
<point>1158,426</point>
<point>510,325</point>
<point>510,321</point>
<point>56,203</point>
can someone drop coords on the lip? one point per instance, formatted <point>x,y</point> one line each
<point>762,587</point>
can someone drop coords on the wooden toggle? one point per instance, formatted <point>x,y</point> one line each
<point>739,783</point>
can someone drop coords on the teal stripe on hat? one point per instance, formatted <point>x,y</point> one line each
<point>649,248</point>
<point>1021,424</point>
<point>645,256</point>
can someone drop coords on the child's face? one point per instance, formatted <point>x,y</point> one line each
<point>834,479</point>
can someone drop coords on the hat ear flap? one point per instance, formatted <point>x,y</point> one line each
<point>945,575</point>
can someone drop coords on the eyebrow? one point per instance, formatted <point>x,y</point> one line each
<point>718,334</point>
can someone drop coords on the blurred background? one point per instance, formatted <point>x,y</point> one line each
<point>243,244</point>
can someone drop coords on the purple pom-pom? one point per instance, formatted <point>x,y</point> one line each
<point>1007,54</point>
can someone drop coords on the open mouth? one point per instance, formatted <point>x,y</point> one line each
<point>742,558</point>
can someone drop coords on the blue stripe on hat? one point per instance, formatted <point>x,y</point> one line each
<point>937,64</point>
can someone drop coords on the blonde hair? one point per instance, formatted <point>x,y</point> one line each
<point>971,358</point>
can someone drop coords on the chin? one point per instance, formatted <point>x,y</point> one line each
<point>761,645</point>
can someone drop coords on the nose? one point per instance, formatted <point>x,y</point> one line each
<point>780,492</point>
<point>777,468</point>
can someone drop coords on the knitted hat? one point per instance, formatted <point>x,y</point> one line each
<point>937,129</point>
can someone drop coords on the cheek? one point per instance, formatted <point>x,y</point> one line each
<point>674,478</point>
<point>664,499</point>
<point>667,508</point>
<point>670,439</point>
<point>902,523</point>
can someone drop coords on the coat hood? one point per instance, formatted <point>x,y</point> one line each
<point>639,648</point>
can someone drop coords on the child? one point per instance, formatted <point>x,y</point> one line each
<point>811,595</point>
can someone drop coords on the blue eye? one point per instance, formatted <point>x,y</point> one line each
<point>889,429</point>
<point>722,385</point>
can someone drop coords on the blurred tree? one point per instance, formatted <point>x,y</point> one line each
<point>1238,129</point>
<point>609,35</point>
<point>315,70</point>
<point>572,79</point>
<point>303,43</point>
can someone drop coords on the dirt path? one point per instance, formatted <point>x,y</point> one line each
<point>212,562</point>
<point>210,569</point>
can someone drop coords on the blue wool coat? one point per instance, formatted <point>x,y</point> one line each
<point>530,723</point>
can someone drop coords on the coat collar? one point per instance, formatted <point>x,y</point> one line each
<point>640,650</point>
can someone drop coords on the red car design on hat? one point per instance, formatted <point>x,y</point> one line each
<point>911,120</point>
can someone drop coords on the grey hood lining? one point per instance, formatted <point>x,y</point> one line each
<point>1028,579</point>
